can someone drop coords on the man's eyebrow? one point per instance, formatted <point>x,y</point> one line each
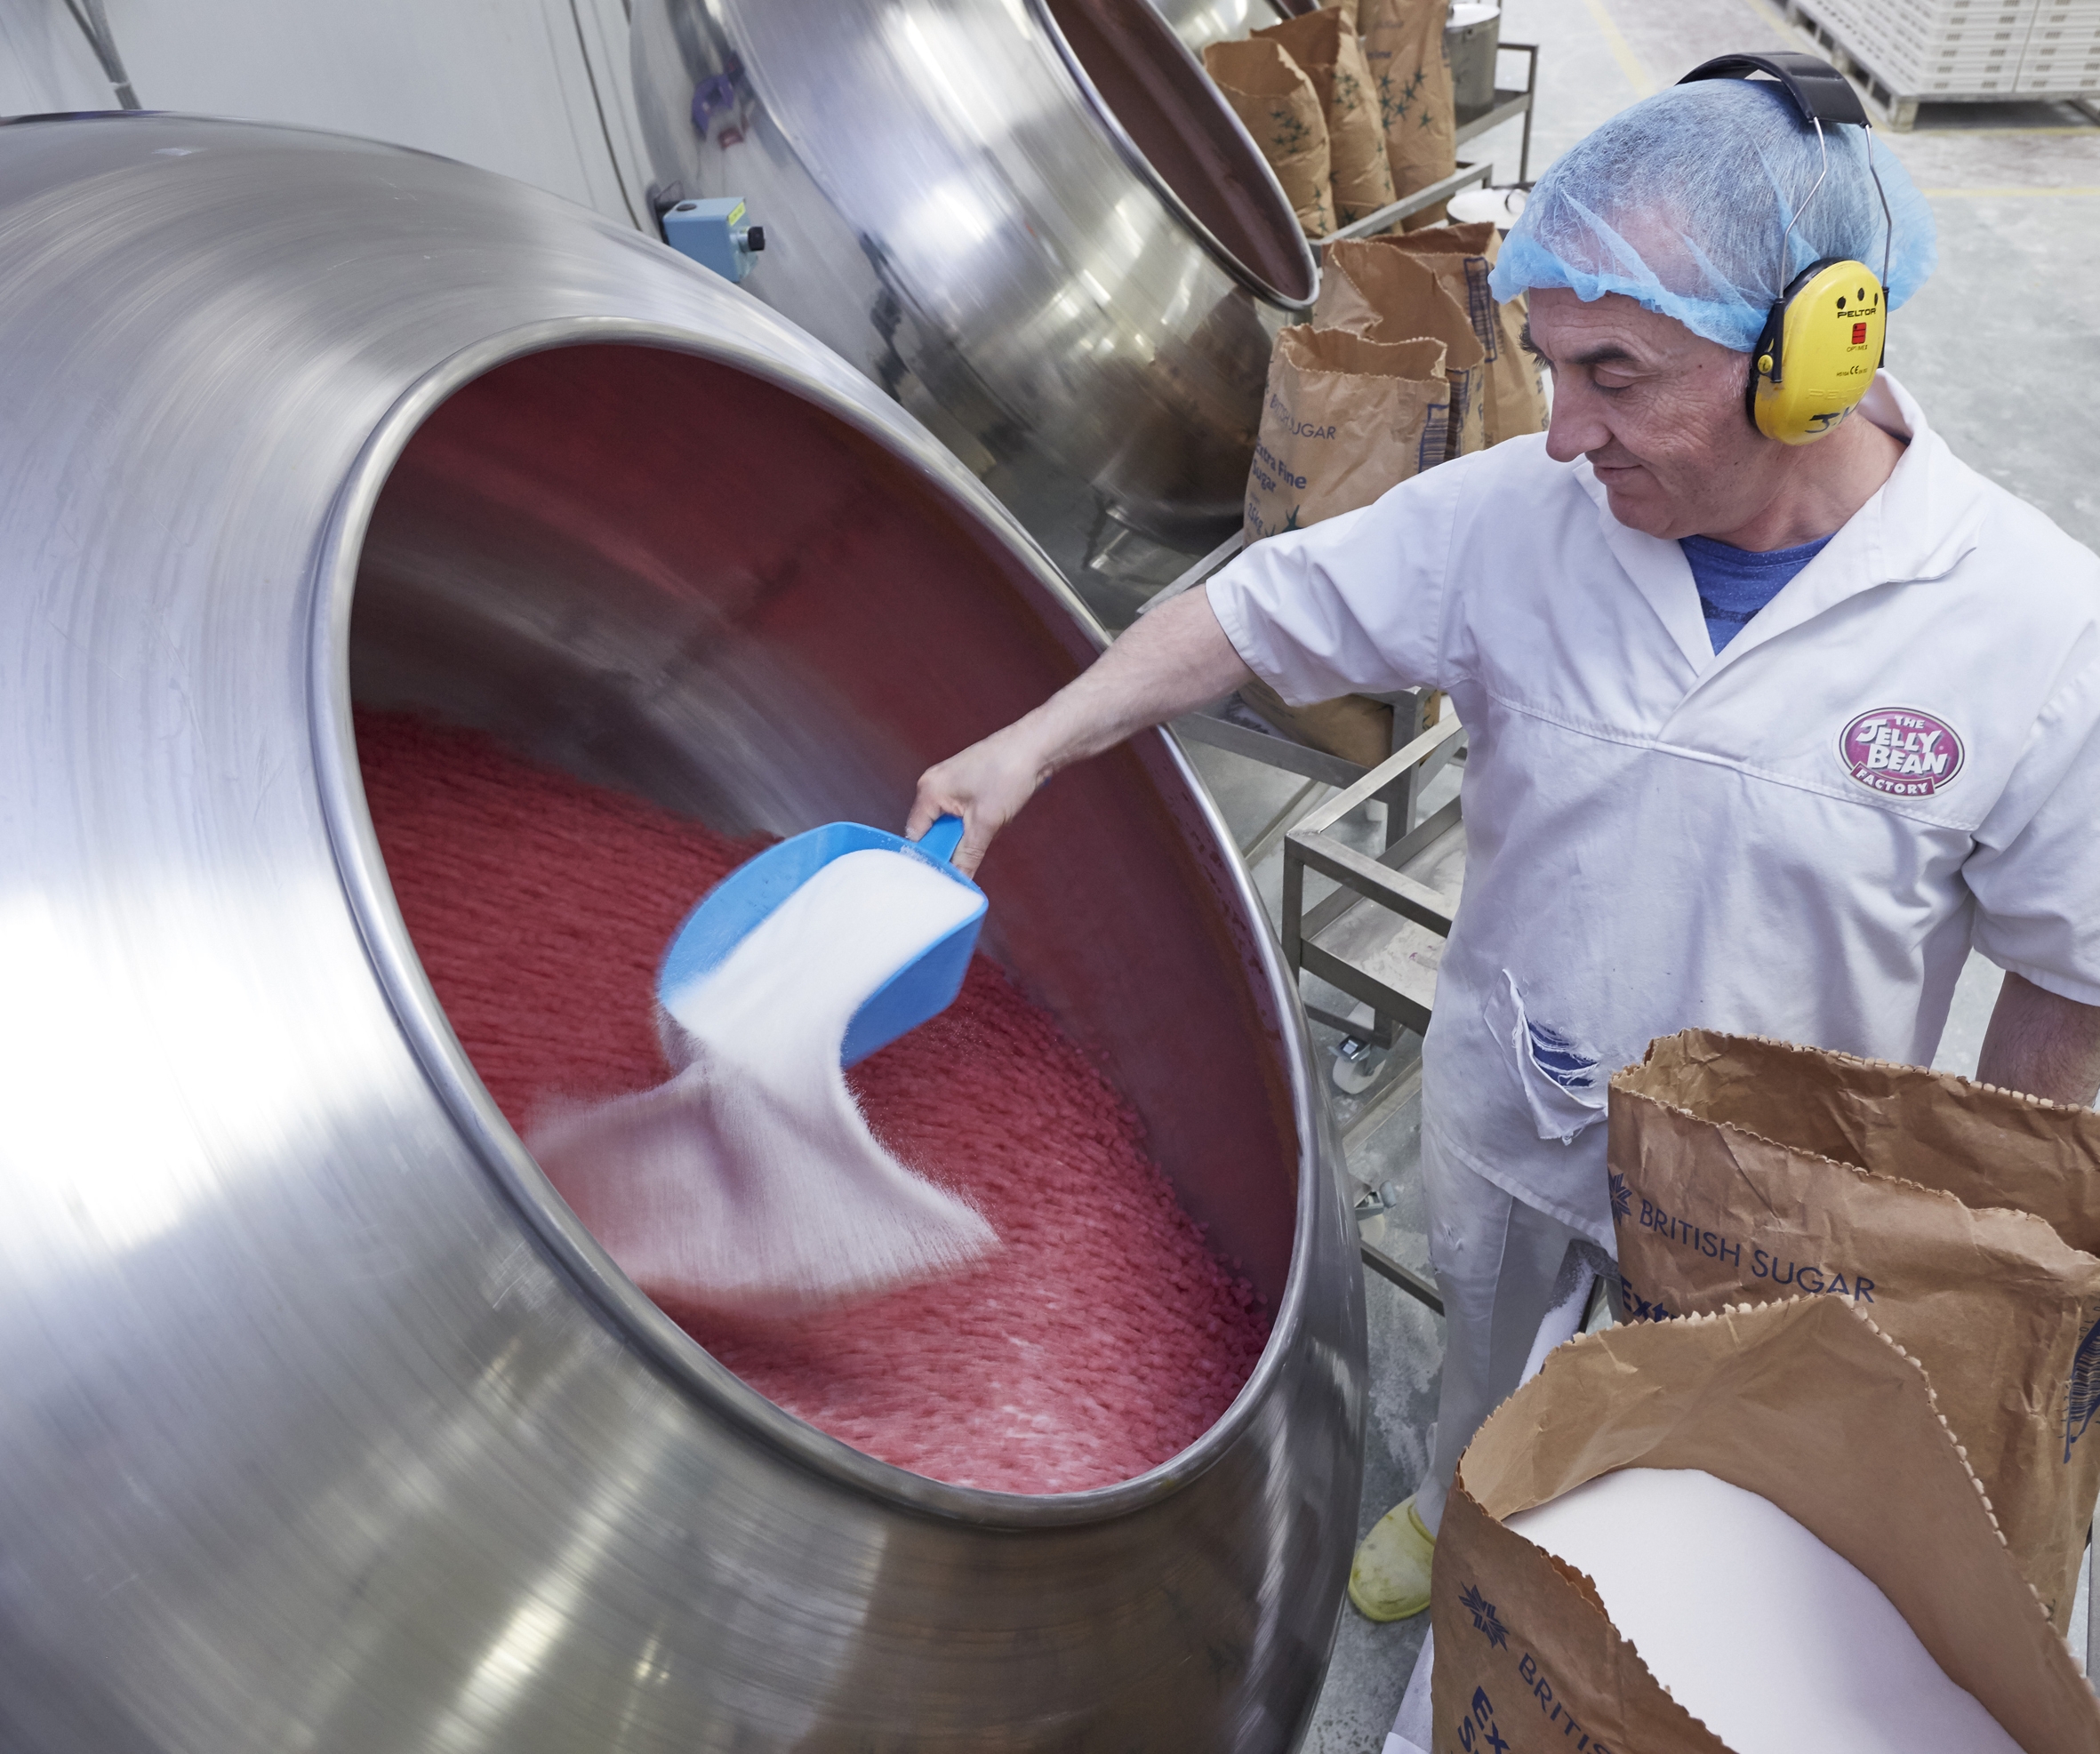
<point>1605,354</point>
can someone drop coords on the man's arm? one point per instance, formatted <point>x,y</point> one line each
<point>2042,1045</point>
<point>1174,659</point>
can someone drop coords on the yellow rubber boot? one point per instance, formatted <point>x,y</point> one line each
<point>1390,1578</point>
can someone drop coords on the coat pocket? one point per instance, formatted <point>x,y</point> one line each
<point>1561,1084</point>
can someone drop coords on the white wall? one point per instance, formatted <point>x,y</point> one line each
<point>536,89</point>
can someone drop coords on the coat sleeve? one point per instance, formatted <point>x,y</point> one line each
<point>1362,603</point>
<point>2035,872</point>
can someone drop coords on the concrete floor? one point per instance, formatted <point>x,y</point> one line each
<point>2001,347</point>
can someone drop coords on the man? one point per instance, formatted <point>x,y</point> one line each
<point>1763,737</point>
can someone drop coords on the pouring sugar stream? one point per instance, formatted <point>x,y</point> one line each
<point>800,964</point>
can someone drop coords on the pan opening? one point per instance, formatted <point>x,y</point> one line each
<point>621,613</point>
<point>1201,22</point>
<point>1186,134</point>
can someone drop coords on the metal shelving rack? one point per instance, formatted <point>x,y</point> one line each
<point>1510,103</point>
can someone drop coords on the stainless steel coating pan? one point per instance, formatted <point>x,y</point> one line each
<point>1035,223</point>
<point>325,1426</point>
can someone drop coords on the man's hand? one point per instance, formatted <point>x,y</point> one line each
<point>2042,1045</point>
<point>1175,658</point>
<point>985,785</point>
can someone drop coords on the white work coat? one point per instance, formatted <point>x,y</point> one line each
<point>1798,838</point>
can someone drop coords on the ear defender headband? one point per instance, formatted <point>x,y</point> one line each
<point>1825,337</point>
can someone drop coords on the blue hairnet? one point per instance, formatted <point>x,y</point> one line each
<point>1680,203</point>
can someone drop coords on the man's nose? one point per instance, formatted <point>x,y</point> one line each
<point>1577,426</point>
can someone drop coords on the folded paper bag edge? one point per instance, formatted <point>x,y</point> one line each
<point>1963,1597</point>
<point>2005,1315</point>
<point>1877,1176</point>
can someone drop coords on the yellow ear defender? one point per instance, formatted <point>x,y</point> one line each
<point>1824,340</point>
<point>1822,346</point>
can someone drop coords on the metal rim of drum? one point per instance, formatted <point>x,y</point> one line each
<point>573,1249</point>
<point>1133,157</point>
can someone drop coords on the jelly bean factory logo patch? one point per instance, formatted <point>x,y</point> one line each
<point>1899,752</point>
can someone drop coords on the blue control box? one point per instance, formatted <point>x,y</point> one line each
<point>714,233</point>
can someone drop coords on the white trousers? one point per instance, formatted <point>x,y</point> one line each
<point>1500,1266</point>
<point>1516,1283</point>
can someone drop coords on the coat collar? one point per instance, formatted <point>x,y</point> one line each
<point>1919,526</point>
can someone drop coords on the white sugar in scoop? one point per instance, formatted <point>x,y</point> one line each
<point>1769,1638</point>
<point>750,1183</point>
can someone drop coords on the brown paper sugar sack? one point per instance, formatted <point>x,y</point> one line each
<point>1271,94</point>
<point>1965,1220</point>
<point>1806,1403</point>
<point>1411,80</point>
<point>1354,727</point>
<point>1462,257</point>
<point>1368,286</point>
<point>1324,44</point>
<point>1343,418</point>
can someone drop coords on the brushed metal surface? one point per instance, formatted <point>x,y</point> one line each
<point>1033,222</point>
<point>1199,23</point>
<point>326,1427</point>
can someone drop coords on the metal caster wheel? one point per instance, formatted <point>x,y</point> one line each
<point>1356,1066</point>
<point>1357,1061</point>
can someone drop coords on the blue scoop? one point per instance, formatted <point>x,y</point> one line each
<point>924,987</point>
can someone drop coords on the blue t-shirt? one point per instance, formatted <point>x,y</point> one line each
<point>1735,583</point>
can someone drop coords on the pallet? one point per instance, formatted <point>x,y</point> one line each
<point>1899,108</point>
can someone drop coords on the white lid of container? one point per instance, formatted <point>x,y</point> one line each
<point>1500,204</point>
<point>1466,13</point>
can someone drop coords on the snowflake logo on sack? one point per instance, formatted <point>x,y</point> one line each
<point>1900,753</point>
<point>1483,1617</point>
<point>1622,1195</point>
<point>1392,109</point>
<point>2083,1400</point>
<point>1637,1308</point>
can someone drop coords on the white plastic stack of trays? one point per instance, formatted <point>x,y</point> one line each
<point>1949,50</point>
<point>2063,54</point>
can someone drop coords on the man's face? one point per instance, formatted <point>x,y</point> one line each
<point>1658,412</point>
